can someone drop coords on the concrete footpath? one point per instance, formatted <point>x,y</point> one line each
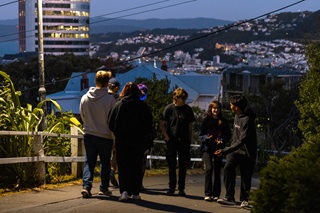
<point>69,199</point>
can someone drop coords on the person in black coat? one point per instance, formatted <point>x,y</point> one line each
<point>130,120</point>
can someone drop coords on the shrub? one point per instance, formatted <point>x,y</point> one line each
<point>290,184</point>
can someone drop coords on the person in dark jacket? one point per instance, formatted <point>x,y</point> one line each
<point>214,134</point>
<point>176,127</point>
<point>242,152</point>
<point>130,120</point>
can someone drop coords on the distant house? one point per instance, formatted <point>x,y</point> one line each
<point>201,88</point>
<point>246,80</point>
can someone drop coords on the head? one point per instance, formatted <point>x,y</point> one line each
<point>131,89</point>
<point>180,96</point>
<point>238,103</point>
<point>114,85</point>
<point>102,78</point>
<point>144,90</point>
<point>214,109</point>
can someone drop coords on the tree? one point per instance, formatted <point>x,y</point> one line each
<point>291,184</point>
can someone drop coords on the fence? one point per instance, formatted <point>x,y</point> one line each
<point>77,152</point>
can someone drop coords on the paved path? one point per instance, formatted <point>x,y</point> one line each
<point>69,199</point>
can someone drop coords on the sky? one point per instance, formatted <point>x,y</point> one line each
<point>232,10</point>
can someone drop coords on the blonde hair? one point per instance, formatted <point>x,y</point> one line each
<point>102,78</point>
<point>179,93</point>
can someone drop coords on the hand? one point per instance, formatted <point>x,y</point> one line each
<point>218,152</point>
<point>218,141</point>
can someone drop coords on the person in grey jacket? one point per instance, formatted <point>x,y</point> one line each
<point>98,139</point>
<point>242,152</point>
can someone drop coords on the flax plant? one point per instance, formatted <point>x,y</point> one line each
<point>15,117</point>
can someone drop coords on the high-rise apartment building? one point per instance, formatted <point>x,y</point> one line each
<point>65,26</point>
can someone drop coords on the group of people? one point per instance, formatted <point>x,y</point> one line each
<point>121,127</point>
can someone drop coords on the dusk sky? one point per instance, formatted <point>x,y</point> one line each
<point>232,10</point>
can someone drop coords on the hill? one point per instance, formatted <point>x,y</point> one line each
<point>104,25</point>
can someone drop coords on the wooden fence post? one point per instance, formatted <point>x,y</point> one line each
<point>40,165</point>
<point>77,149</point>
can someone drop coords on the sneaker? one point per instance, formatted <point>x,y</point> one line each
<point>170,192</point>
<point>208,198</point>
<point>215,199</point>
<point>107,193</point>
<point>136,197</point>
<point>86,193</point>
<point>124,196</point>
<point>226,201</point>
<point>244,204</point>
<point>182,193</point>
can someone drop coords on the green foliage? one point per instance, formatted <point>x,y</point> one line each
<point>15,117</point>
<point>291,184</point>
<point>309,99</point>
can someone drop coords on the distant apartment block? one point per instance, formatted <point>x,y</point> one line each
<point>247,80</point>
<point>65,26</point>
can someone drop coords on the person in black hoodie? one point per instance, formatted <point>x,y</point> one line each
<point>130,120</point>
<point>242,152</point>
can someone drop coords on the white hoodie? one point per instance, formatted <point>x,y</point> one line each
<point>95,106</point>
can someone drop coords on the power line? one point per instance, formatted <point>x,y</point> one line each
<point>188,41</point>
<point>1,5</point>
<point>110,19</point>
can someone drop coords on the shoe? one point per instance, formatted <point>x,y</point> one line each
<point>124,196</point>
<point>182,193</point>
<point>244,204</point>
<point>113,180</point>
<point>215,199</point>
<point>208,198</point>
<point>86,193</point>
<point>226,201</point>
<point>136,197</point>
<point>107,192</point>
<point>170,192</point>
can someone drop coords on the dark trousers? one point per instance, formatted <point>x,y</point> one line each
<point>182,148</point>
<point>97,146</point>
<point>246,165</point>
<point>212,168</point>
<point>129,159</point>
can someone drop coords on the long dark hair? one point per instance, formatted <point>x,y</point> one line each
<point>130,89</point>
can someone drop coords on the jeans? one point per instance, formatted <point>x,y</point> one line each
<point>246,170</point>
<point>97,146</point>
<point>182,148</point>
<point>212,168</point>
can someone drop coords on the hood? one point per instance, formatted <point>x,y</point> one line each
<point>129,98</point>
<point>96,93</point>
<point>249,112</point>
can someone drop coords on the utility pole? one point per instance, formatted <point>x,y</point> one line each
<point>42,89</point>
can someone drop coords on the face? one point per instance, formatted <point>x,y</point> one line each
<point>234,108</point>
<point>180,101</point>
<point>215,110</point>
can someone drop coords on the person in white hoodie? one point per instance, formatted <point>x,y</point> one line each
<point>98,139</point>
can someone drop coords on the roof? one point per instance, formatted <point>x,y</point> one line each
<point>203,84</point>
<point>195,85</point>
<point>147,71</point>
<point>262,71</point>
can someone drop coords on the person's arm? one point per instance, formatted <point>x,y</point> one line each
<point>163,128</point>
